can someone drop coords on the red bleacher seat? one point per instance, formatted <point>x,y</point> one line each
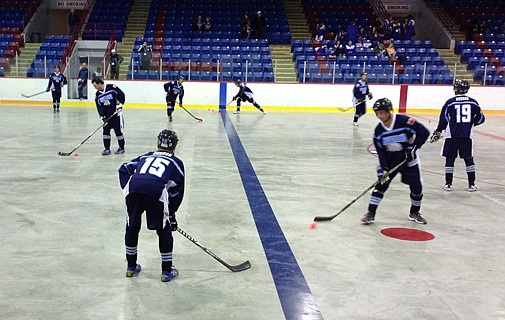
<point>487,53</point>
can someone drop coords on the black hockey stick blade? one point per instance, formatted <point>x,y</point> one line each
<point>65,154</point>
<point>238,268</point>
<point>386,175</point>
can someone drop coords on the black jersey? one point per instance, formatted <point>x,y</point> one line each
<point>458,117</point>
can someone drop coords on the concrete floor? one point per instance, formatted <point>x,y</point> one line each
<point>62,222</point>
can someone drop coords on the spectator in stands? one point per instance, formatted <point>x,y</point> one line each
<point>208,25</point>
<point>73,21</point>
<point>198,24</point>
<point>350,48</point>
<point>388,28</point>
<point>82,81</point>
<point>410,28</point>
<point>146,54</point>
<point>352,32</point>
<point>322,50</point>
<point>397,31</point>
<point>258,24</point>
<point>391,51</point>
<point>246,27</point>
<point>341,36</point>
<point>97,74</point>
<point>337,50</point>
<point>320,30</point>
<point>380,50</point>
<point>115,61</point>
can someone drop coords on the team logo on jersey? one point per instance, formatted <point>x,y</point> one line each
<point>411,121</point>
<point>394,147</point>
<point>105,99</point>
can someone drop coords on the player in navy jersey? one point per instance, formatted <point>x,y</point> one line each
<point>173,89</point>
<point>245,94</point>
<point>56,81</point>
<point>458,117</point>
<point>397,138</point>
<point>154,183</point>
<point>109,99</point>
<point>360,92</point>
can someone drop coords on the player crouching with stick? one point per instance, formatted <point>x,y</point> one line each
<point>397,138</point>
<point>154,183</point>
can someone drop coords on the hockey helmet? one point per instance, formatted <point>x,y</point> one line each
<point>167,139</point>
<point>383,104</point>
<point>238,81</point>
<point>461,86</point>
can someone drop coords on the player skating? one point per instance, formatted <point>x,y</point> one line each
<point>360,92</point>
<point>173,90</point>
<point>109,101</point>
<point>153,183</point>
<point>458,117</point>
<point>56,81</point>
<point>397,138</point>
<point>245,94</point>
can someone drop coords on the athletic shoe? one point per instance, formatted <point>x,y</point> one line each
<point>416,216</point>
<point>170,118</point>
<point>57,109</point>
<point>106,152</point>
<point>133,271</point>
<point>473,188</point>
<point>119,151</point>
<point>263,111</point>
<point>368,218</point>
<point>356,124</point>
<point>54,110</point>
<point>448,187</point>
<point>167,276</point>
<point>236,112</point>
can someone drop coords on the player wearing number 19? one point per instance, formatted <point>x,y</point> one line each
<point>154,183</point>
<point>458,117</point>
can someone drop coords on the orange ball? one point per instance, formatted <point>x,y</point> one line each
<point>313,225</point>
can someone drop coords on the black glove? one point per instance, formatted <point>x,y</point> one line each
<point>234,98</point>
<point>180,104</point>
<point>103,120</point>
<point>435,136</point>
<point>370,96</point>
<point>410,152</point>
<point>47,90</point>
<point>173,223</point>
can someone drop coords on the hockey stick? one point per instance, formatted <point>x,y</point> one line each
<point>199,120</point>
<point>80,144</point>
<point>354,106</point>
<point>33,95</point>
<point>384,178</point>
<point>241,267</point>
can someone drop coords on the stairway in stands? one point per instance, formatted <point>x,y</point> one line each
<point>135,28</point>
<point>450,58</point>
<point>25,58</point>
<point>296,19</point>
<point>282,58</point>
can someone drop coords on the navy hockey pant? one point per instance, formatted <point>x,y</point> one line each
<point>56,98</point>
<point>113,123</point>
<point>136,204</point>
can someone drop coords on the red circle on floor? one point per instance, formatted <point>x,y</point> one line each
<point>407,234</point>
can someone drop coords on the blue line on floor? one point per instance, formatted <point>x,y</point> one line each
<point>294,293</point>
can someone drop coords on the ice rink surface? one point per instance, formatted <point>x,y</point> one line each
<point>253,185</point>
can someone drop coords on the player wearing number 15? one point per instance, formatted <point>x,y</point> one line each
<point>154,183</point>
<point>458,117</point>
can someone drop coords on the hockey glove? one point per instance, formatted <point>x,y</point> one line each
<point>410,153</point>
<point>119,107</point>
<point>435,136</point>
<point>103,120</point>
<point>234,98</point>
<point>173,223</point>
<point>47,90</point>
<point>370,96</point>
<point>180,104</point>
<point>380,175</point>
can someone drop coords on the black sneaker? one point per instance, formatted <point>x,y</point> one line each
<point>170,118</point>
<point>368,218</point>
<point>416,216</point>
